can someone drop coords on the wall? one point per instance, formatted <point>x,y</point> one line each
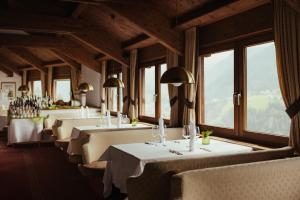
<point>92,77</point>
<point>16,78</point>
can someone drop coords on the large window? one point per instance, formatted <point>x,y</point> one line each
<point>115,96</point>
<point>265,107</point>
<point>62,89</point>
<point>37,88</point>
<point>218,89</point>
<point>240,94</point>
<point>154,96</point>
<point>149,92</point>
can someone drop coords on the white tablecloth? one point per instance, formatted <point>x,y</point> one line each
<point>25,130</point>
<point>129,159</point>
<point>81,131</point>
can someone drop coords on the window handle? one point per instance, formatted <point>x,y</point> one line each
<point>237,96</point>
<point>154,97</point>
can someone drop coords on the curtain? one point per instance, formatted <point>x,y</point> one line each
<point>75,80</point>
<point>50,81</point>
<point>125,90</point>
<point>103,90</point>
<point>287,43</point>
<point>24,78</point>
<point>189,114</point>
<point>172,61</point>
<point>43,83</point>
<point>133,98</point>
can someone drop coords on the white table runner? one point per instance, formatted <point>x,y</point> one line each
<point>129,159</point>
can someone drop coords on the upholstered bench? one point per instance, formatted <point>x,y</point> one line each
<point>268,180</point>
<point>155,181</point>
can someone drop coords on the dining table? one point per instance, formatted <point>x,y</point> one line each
<point>81,132</point>
<point>25,130</point>
<point>126,160</point>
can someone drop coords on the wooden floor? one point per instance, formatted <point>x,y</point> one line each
<point>40,173</point>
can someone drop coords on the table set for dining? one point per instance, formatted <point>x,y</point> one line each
<point>126,160</point>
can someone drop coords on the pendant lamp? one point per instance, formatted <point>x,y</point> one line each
<point>177,76</point>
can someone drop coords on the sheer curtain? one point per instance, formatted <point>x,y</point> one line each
<point>172,61</point>
<point>287,42</point>
<point>132,100</point>
<point>75,80</point>
<point>103,90</point>
<point>189,114</point>
<point>43,82</point>
<point>50,81</point>
<point>125,90</point>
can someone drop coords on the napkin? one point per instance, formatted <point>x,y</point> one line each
<point>161,130</point>
<point>119,120</point>
<point>108,118</point>
<point>192,136</point>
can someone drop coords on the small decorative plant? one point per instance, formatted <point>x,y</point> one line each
<point>205,137</point>
<point>134,121</point>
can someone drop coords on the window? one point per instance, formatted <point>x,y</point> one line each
<point>37,88</point>
<point>265,107</point>
<point>149,92</point>
<point>240,94</point>
<point>154,96</point>
<point>62,90</point>
<point>164,91</point>
<point>218,89</point>
<point>116,96</point>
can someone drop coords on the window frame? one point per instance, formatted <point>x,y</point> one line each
<point>157,65</point>
<point>240,85</point>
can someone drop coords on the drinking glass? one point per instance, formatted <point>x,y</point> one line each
<point>186,131</point>
<point>155,132</point>
<point>197,131</point>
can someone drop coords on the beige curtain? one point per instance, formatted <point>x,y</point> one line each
<point>125,90</point>
<point>133,100</point>
<point>50,82</point>
<point>24,77</point>
<point>172,61</point>
<point>75,80</point>
<point>287,42</point>
<point>190,64</point>
<point>103,90</point>
<point>44,83</point>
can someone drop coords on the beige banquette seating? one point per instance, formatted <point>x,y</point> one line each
<point>155,181</point>
<point>63,127</point>
<point>268,180</point>
<point>97,143</point>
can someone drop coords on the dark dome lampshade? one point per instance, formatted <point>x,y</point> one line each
<point>113,82</point>
<point>23,88</point>
<point>85,87</point>
<point>177,76</point>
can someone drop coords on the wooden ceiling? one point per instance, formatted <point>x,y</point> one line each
<point>36,33</point>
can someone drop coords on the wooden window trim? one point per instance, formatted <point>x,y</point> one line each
<point>142,115</point>
<point>240,85</point>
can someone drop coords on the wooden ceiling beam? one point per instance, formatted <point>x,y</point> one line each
<point>29,58</point>
<point>14,40</point>
<point>105,44</point>
<point>47,24</point>
<point>140,41</point>
<point>83,57</point>
<point>54,63</point>
<point>215,11</point>
<point>9,65</point>
<point>6,71</point>
<point>72,63</point>
<point>148,19</point>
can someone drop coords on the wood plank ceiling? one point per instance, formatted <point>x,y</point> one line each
<point>36,34</point>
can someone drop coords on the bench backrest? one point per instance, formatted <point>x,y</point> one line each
<point>98,142</point>
<point>269,180</point>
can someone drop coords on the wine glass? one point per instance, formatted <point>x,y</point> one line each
<point>197,131</point>
<point>186,131</point>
